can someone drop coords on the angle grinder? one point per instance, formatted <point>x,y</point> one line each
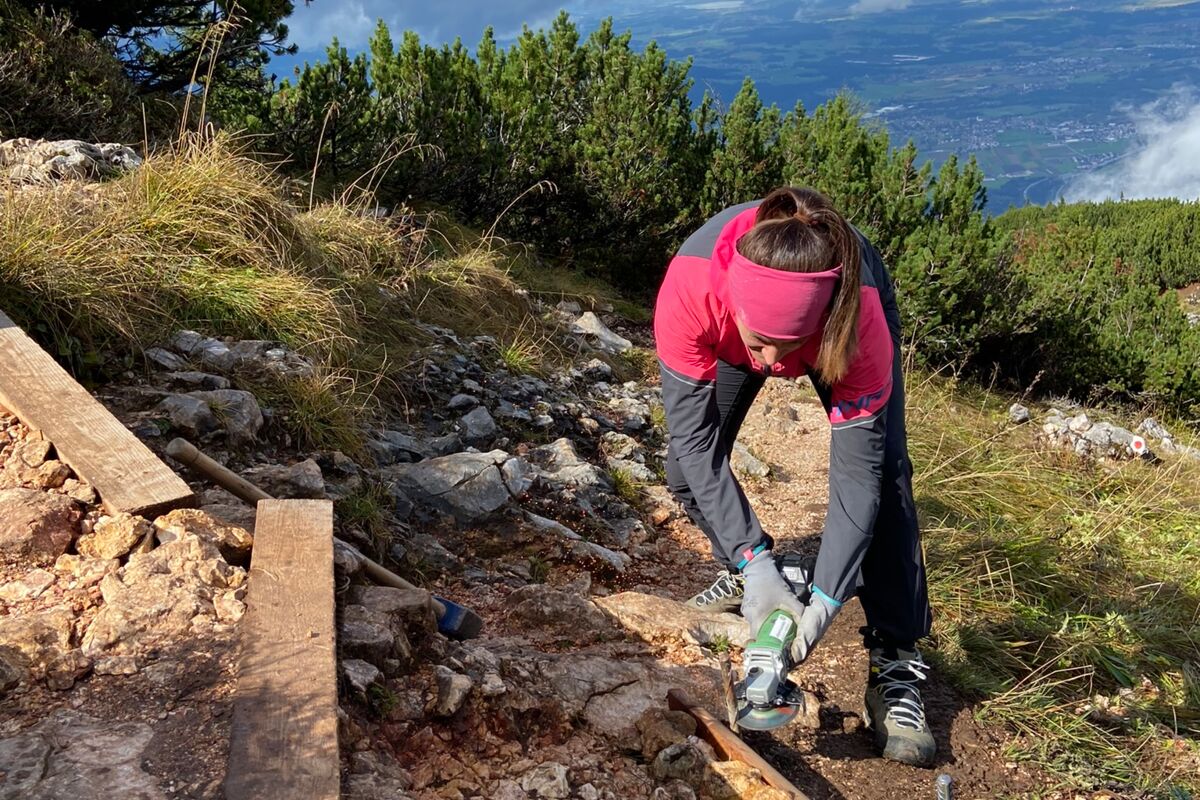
<point>765,698</point>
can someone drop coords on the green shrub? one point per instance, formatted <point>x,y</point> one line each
<point>57,82</point>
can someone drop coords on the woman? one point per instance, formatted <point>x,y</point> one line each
<point>787,287</point>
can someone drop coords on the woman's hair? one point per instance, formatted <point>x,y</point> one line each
<point>798,230</point>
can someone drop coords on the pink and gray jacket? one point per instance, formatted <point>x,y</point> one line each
<point>694,329</point>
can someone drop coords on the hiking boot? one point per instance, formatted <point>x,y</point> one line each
<point>726,592</point>
<point>724,595</point>
<point>894,710</point>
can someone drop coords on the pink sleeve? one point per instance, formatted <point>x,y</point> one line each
<point>865,389</point>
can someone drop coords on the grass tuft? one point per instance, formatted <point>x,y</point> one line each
<point>1065,594</point>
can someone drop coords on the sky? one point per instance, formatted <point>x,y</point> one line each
<point>312,25</point>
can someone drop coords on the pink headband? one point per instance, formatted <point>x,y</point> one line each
<point>779,304</point>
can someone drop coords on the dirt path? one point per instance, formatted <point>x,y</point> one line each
<point>787,429</point>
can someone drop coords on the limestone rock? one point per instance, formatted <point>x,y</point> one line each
<point>407,610</point>
<point>41,161</point>
<point>579,549</point>
<point>682,760</point>
<point>190,414</point>
<point>597,370</point>
<point>394,447</point>
<point>114,537</point>
<point>232,541</point>
<point>300,480</point>
<point>35,527</point>
<point>547,780</point>
<point>453,689</point>
<point>468,485</point>
<point>237,411</point>
<point>662,620</point>
<point>191,379</point>
<point>560,463</point>
<point>33,642</point>
<point>1018,414</point>
<point>660,728</point>
<point>159,598</point>
<point>360,675</point>
<point>164,359</point>
<point>83,571</point>
<point>742,461</point>
<point>371,637</point>
<point>72,755</point>
<point>477,427</point>
<point>565,613</point>
<point>28,586</point>
<point>733,780</point>
<point>597,333</point>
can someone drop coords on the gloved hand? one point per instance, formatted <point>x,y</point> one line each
<point>765,591</point>
<point>814,621</point>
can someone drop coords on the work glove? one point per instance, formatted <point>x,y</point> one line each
<point>813,622</point>
<point>765,590</point>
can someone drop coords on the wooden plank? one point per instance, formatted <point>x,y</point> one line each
<point>284,729</point>
<point>94,443</point>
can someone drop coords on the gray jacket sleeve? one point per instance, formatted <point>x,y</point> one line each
<point>694,426</point>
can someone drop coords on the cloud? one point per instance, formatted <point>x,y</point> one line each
<point>312,26</point>
<point>875,6</point>
<point>1164,162</point>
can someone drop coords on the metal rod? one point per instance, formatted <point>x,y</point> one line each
<point>189,455</point>
<point>728,746</point>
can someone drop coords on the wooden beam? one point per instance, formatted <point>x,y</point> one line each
<point>284,730</point>
<point>94,443</point>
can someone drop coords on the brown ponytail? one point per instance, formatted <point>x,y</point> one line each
<point>798,230</point>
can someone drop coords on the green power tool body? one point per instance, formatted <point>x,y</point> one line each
<point>765,697</point>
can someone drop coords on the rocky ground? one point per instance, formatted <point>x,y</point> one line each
<point>536,501</point>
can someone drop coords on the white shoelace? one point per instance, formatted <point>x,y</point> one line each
<point>724,586</point>
<point>903,709</point>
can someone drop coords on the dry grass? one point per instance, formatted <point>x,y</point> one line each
<point>1066,594</point>
<point>203,236</point>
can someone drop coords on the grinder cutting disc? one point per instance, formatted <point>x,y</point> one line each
<point>765,718</point>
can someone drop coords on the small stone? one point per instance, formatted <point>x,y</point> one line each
<point>597,370</point>
<point>237,411</point>
<point>1079,423</point>
<point>741,460</point>
<point>360,675</point>
<point>64,671</point>
<point>547,780</point>
<point>232,541</point>
<point>1018,414</point>
<point>35,527</point>
<point>453,688</point>
<point>165,359</point>
<point>116,665</point>
<point>192,379</point>
<point>681,760</point>
<point>661,728</point>
<point>114,537</point>
<point>190,415</point>
<point>590,326</point>
<point>186,341</point>
<point>462,401</point>
<point>27,587</point>
<point>303,479</point>
<point>229,609</point>
<point>478,427</point>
